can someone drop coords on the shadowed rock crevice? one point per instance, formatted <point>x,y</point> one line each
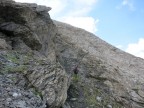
<point>13,30</point>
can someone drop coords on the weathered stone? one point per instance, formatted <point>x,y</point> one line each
<point>136,97</point>
<point>102,67</point>
<point>66,105</point>
<point>52,81</point>
<point>16,30</point>
<point>98,98</point>
<point>29,31</point>
<point>109,106</point>
<point>14,95</point>
<point>3,44</point>
<point>42,8</point>
<point>141,93</point>
<point>39,57</point>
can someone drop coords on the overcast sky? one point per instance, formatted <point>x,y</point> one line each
<point>119,22</point>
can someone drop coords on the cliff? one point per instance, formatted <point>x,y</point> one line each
<point>48,64</point>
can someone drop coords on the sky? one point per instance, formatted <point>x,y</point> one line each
<point>118,22</point>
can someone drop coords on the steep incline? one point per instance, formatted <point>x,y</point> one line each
<point>102,65</point>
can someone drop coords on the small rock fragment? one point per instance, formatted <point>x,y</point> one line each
<point>16,94</point>
<point>99,98</point>
<point>141,93</point>
<point>109,106</point>
<point>73,99</point>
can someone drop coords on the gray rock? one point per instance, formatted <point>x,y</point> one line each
<point>73,99</point>
<point>99,98</point>
<point>14,95</point>
<point>52,81</point>
<point>141,93</point>
<point>40,8</point>
<point>136,97</point>
<point>102,67</point>
<point>38,57</point>
<point>3,44</point>
<point>30,32</point>
<point>66,105</point>
<point>23,32</point>
<point>109,106</point>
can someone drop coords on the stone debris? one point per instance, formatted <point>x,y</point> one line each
<point>99,98</point>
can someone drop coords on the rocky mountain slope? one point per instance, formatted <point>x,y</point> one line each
<point>49,64</point>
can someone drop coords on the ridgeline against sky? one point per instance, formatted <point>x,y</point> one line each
<point>119,22</point>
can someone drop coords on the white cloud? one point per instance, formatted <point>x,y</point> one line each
<point>87,23</point>
<point>119,46</point>
<point>57,6</point>
<point>86,2</point>
<point>137,49</point>
<point>74,12</point>
<point>81,7</point>
<point>127,3</point>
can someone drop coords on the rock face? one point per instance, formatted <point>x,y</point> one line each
<point>107,77</point>
<point>49,64</point>
<point>27,56</point>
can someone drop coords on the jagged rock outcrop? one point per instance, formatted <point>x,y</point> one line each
<point>49,64</point>
<point>27,56</point>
